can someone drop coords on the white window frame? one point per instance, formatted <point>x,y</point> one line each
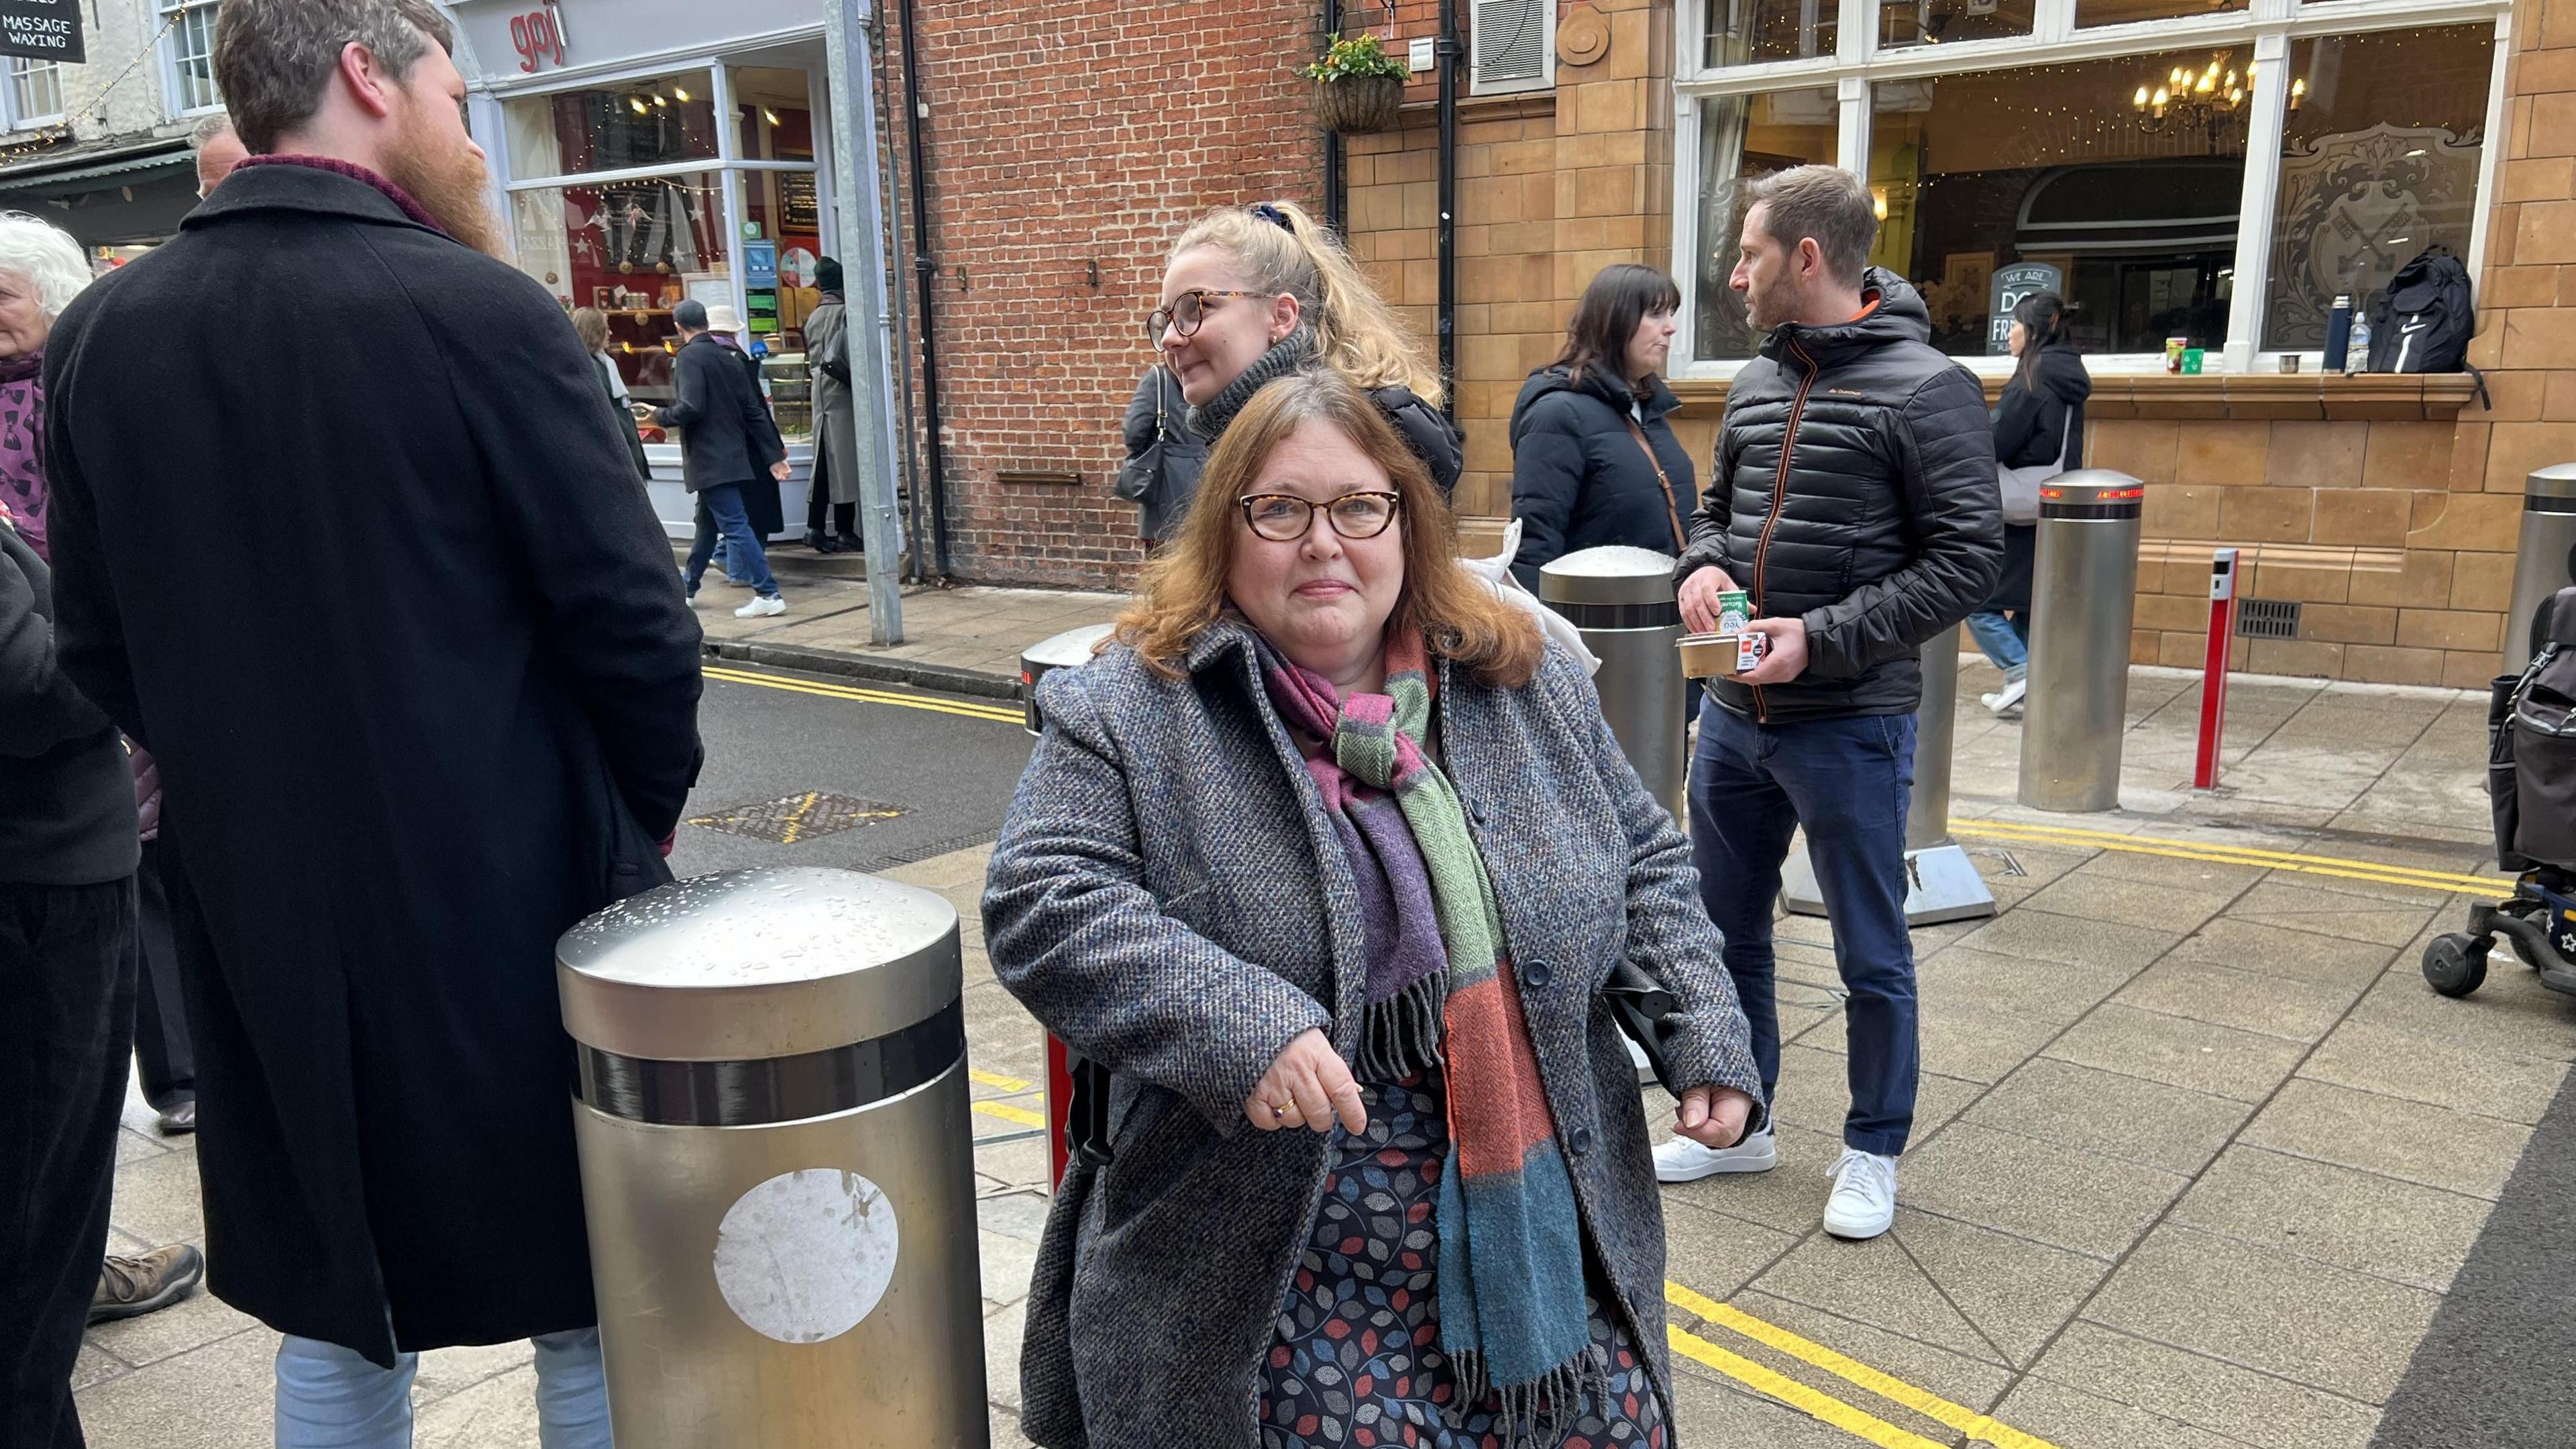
<point>1546,78</point>
<point>165,13</point>
<point>2267,30</point>
<point>11,118</point>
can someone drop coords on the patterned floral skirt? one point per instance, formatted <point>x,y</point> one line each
<point>1357,1360</point>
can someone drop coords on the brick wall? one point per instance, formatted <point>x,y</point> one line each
<point>1064,137</point>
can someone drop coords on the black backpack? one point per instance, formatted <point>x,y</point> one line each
<point>2424,320</point>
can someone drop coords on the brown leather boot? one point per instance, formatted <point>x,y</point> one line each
<point>128,1287</point>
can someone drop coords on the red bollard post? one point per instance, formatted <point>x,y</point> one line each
<point>1059,1105</point>
<point>2213,669</point>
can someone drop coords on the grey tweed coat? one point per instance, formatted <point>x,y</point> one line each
<point>1168,897</point>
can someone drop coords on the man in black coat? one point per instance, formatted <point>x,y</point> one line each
<point>343,536</point>
<point>1854,498</point>
<point>727,446</point>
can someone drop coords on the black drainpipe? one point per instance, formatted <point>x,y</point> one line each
<point>926,271</point>
<point>1451,55</point>
<point>1336,204</point>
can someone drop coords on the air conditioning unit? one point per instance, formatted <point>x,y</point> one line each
<point>1512,46</point>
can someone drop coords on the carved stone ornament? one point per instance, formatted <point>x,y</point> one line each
<point>1582,36</point>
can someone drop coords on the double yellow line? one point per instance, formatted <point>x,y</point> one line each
<point>1814,1402</point>
<point>2376,872</point>
<point>1020,1116</point>
<point>1001,713</point>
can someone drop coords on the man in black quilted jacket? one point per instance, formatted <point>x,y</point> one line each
<point>1854,498</point>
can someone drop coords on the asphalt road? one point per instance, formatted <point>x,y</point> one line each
<point>844,773</point>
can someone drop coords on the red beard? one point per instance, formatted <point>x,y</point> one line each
<point>448,184</point>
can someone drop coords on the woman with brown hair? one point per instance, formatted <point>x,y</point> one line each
<point>1593,460</point>
<point>591,326</point>
<point>1326,857</point>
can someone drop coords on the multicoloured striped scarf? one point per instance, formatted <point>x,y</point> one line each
<point>1441,992</point>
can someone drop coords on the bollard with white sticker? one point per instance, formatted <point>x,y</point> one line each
<point>777,1163</point>
<point>2213,667</point>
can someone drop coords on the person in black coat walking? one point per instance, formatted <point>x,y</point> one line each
<point>2039,433</point>
<point>1853,496</point>
<point>1593,461</point>
<point>728,447</point>
<point>423,696</point>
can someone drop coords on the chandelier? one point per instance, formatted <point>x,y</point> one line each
<point>2206,101</point>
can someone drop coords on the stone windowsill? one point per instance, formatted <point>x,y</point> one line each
<point>2222,396</point>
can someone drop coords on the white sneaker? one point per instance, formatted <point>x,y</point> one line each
<point>761,606</point>
<point>1682,1160</point>
<point>2008,698</point>
<point>1864,1197</point>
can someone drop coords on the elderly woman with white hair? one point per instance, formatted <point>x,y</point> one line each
<point>41,270</point>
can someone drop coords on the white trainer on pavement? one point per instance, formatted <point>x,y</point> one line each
<point>2008,698</point>
<point>1864,1196</point>
<point>1682,1160</point>
<point>761,606</point>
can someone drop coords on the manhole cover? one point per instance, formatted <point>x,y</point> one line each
<point>792,818</point>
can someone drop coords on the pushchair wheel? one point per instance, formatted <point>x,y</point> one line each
<point>2456,965</point>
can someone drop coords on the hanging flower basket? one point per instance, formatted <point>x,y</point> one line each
<point>1354,104</point>
<point>1358,86</point>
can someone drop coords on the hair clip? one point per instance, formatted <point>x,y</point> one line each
<point>1274,216</point>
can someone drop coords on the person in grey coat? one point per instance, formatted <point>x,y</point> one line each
<point>1346,967</point>
<point>836,419</point>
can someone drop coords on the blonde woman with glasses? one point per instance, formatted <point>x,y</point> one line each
<point>1254,293</point>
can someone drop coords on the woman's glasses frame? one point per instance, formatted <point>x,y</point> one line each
<point>1330,508</point>
<point>1185,312</point>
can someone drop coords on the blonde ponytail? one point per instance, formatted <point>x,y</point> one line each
<point>1354,329</point>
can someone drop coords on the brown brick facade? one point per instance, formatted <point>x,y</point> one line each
<point>2389,507</point>
<point>1066,137</point>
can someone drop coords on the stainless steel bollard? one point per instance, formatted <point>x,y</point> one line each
<point>2084,588</point>
<point>777,1163</point>
<point>1073,646</point>
<point>1941,883</point>
<point>2546,561</point>
<point>1622,600</point>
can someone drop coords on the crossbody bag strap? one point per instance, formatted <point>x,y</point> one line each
<point>1672,505</point>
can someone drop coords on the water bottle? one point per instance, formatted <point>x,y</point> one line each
<point>2338,333</point>
<point>2357,356</point>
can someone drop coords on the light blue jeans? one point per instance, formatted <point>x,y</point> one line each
<point>2006,641</point>
<point>329,1397</point>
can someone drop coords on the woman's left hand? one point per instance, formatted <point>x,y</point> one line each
<point>1713,1116</point>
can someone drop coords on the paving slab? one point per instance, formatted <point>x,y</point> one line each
<point>2401,1231</point>
<point>2130,902</point>
<point>220,1396</point>
<point>2067,1198</point>
<point>2272,950</point>
<point>2126,1117</point>
<point>2399,914</point>
<point>2017,1293</point>
<point>192,1323</point>
<point>2211,1395</point>
<point>156,1200</point>
<point>2395,1063</point>
<point>2409,1141</point>
<point>2195,1055</point>
<point>2073,1419</point>
<point>2205,876</point>
<point>2248,1001</point>
<point>496,1411</point>
<point>1878,1283</point>
<point>2070,939</point>
<point>1816,1094</point>
<point>1714,1255</point>
<point>2329,1328</point>
<point>1709,1408</point>
<point>2512,1013</point>
<point>1972,1380</point>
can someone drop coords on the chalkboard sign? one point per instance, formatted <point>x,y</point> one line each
<point>2010,285</point>
<point>42,30</point>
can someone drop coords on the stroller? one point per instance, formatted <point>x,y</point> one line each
<point>2531,782</point>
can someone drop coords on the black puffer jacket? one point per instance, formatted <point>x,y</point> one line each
<point>2031,427</point>
<point>1854,488</point>
<point>1579,478</point>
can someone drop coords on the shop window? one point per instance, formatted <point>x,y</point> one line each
<point>2059,178</point>
<point>1905,23</point>
<point>2379,160</point>
<point>1749,32</point>
<point>664,121</point>
<point>633,249</point>
<point>35,92</point>
<point>1741,138</point>
<point>190,43</point>
<point>2089,13</point>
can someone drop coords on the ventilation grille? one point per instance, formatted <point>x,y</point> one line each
<point>2267,618</point>
<point>1511,44</point>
